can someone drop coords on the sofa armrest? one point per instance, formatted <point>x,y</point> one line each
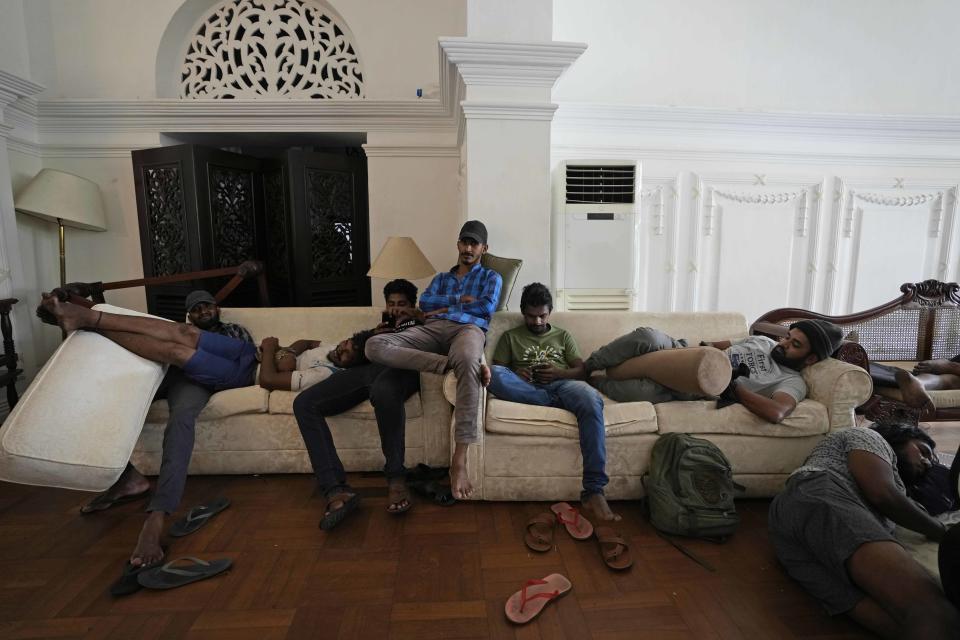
<point>436,420</point>
<point>839,386</point>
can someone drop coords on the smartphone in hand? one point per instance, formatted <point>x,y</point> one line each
<point>388,319</point>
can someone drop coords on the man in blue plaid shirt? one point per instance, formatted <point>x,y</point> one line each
<point>455,310</point>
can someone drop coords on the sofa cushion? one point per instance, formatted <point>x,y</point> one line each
<point>222,404</point>
<point>701,416</point>
<point>619,418</point>
<point>282,402</point>
<point>949,399</point>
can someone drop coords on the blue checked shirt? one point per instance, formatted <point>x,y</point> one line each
<point>445,290</point>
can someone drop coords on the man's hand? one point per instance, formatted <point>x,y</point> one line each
<point>270,344</point>
<point>545,375</point>
<point>435,312</point>
<point>411,312</point>
<point>526,373</point>
<point>467,299</point>
<point>935,367</point>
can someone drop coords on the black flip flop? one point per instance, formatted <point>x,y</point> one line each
<point>197,517</point>
<point>170,576</point>
<point>333,518</point>
<point>441,494</point>
<point>102,502</point>
<point>127,582</point>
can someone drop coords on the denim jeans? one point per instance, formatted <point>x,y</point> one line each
<point>575,396</point>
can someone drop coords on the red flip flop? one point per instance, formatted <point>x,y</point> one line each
<point>526,604</point>
<point>577,526</point>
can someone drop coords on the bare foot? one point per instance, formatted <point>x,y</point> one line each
<point>398,495</point>
<point>485,375</point>
<point>595,507</point>
<point>913,392</point>
<point>459,481</point>
<point>70,317</point>
<point>148,551</point>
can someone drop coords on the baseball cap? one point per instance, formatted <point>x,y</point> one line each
<point>196,297</point>
<point>475,230</point>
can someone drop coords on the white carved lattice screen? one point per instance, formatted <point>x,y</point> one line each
<point>271,48</point>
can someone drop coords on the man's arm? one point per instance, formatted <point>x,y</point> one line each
<point>299,346</point>
<point>431,299</point>
<point>874,476</point>
<point>270,378</point>
<point>485,304</point>
<point>774,409</point>
<point>576,371</point>
<point>721,344</point>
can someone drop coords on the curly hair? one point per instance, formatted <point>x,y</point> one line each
<point>359,340</point>
<point>897,433</point>
<point>536,295</point>
<point>403,287</point>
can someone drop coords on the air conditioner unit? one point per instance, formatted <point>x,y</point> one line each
<point>596,235</point>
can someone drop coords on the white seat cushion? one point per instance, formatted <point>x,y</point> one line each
<point>702,416</point>
<point>222,404</point>
<point>619,419</point>
<point>79,419</point>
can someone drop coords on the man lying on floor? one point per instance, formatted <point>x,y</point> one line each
<point>220,356</point>
<point>832,530</point>
<point>772,389</point>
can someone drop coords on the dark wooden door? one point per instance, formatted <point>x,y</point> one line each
<point>330,229</point>
<point>199,208</point>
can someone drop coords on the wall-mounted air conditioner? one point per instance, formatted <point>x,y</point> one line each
<point>596,235</point>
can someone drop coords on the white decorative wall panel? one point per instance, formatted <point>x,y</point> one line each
<point>657,261</point>
<point>887,232</point>
<point>271,48</point>
<point>753,242</point>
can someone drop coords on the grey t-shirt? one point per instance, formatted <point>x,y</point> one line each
<point>766,376</point>
<point>830,456</point>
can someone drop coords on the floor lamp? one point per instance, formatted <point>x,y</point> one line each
<point>68,200</point>
<point>401,258</point>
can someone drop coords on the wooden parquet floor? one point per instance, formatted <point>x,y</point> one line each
<point>436,572</point>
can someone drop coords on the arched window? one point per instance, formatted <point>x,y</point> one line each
<point>271,48</point>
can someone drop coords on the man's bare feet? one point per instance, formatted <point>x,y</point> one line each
<point>935,367</point>
<point>485,375</point>
<point>148,551</point>
<point>913,392</point>
<point>70,317</point>
<point>596,509</point>
<point>398,496</point>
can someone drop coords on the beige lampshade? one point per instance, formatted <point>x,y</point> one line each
<point>54,195</point>
<point>401,258</point>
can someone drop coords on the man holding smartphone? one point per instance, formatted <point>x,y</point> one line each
<point>540,364</point>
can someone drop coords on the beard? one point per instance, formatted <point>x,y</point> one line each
<point>207,323</point>
<point>779,356</point>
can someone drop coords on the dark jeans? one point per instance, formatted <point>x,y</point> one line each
<point>186,399</point>
<point>387,389</point>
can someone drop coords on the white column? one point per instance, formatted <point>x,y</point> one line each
<point>507,113</point>
<point>12,281</point>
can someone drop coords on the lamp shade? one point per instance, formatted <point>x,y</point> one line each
<point>401,258</point>
<point>55,195</point>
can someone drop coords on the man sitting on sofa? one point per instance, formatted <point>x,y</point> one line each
<point>355,380</point>
<point>456,308</point>
<point>772,389</point>
<point>538,363</point>
<point>197,370</point>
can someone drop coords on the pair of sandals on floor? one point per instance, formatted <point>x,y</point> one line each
<point>424,480</point>
<point>181,571</point>
<point>614,549</point>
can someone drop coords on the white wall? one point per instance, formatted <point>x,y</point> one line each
<point>13,39</point>
<point>881,56</point>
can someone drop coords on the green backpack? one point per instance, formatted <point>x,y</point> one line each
<point>690,488</point>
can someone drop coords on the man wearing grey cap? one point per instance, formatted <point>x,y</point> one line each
<point>208,356</point>
<point>456,308</point>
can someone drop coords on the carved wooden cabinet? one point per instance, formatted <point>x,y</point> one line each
<point>304,214</point>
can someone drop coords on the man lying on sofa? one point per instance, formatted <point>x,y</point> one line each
<point>772,389</point>
<point>538,363</point>
<point>928,375</point>
<point>339,380</point>
<point>205,356</point>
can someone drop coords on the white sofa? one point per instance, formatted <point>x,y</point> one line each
<point>525,452</point>
<point>533,453</point>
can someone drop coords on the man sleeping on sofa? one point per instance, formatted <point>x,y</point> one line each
<point>766,373</point>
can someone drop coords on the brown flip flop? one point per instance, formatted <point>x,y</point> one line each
<point>539,534</point>
<point>526,604</point>
<point>577,526</point>
<point>614,549</point>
